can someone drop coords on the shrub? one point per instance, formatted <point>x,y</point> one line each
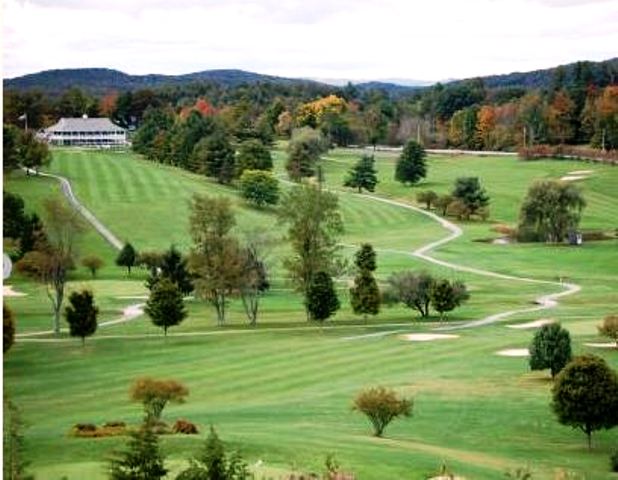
<point>184,426</point>
<point>155,394</point>
<point>609,328</point>
<point>382,405</point>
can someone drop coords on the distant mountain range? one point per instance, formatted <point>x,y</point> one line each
<point>102,80</point>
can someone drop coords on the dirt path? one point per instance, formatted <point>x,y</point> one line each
<point>65,185</point>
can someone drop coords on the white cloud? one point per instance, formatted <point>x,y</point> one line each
<point>322,38</point>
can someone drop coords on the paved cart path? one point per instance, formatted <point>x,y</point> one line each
<point>543,302</point>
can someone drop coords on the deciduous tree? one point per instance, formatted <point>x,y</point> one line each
<point>81,314</point>
<point>585,395</point>
<point>609,328</point>
<point>446,296</point>
<point>165,305</point>
<point>412,289</point>
<point>259,187</point>
<point>314,225</point>
<point>382,405</point>
<point>254,278</point>
<point>216,260</point>
<point>428,197</point>
<point>127,257</point>
<point>93,263</point>
<point>154,395</point>
<point>550,348</point>
<point>551,208</point>
<point>304,152</point>
<point>442,203</point>
<point>53,259</point>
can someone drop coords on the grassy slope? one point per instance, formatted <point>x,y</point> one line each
<point>284,397</point>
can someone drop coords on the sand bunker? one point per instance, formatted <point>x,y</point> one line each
<point>427,337</point>
<point>536,324</point>
<point>572,178</point>
<point>602,345</point>
<point>7,291</point>
<point>514,352</point>
<point>581,172</point>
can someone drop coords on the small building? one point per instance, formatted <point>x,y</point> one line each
<point>85,132</point>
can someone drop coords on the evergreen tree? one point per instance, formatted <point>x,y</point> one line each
<point>81,314</point>
<point>470,192</point>
<point>214,464</point>
<point>362,175</point>
<point>173,266</point>
<point>214,157</point>
<point>142,460</point>
<point>253,155</point>
<point>127,257</point>
<point>410,166</point>
<point>8,328</point>
<point>322,301</point>
<point>550,348</point>
<point>365,258</point>
<point>365,295</point>
<point>165,306</point>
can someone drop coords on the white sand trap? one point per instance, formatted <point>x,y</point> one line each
<point>581,172</point>
<point>602,345</point>
<point>427,337</point>
<point>514,352</point>
<point>7,291</point>
<point>572,178</point>
<point>536,324</point>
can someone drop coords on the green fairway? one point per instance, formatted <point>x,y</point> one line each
<point>282,392</point>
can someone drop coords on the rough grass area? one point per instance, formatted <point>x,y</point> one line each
<point>282,392</point>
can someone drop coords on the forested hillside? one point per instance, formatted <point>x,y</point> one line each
<point>575,105</point>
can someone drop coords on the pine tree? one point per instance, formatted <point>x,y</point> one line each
<point>81,314</point>
<point>410,166</point>
<point>365,258</point>
<point>365,295</point>
<point>362,175</point>
<point>142,460</point>
<point>322,299</point>
<point>172,265</point>
<point>165,305</point>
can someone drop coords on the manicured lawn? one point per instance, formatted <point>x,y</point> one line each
<point>282,392</point>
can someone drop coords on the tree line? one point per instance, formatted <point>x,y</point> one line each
<point>577,108</point>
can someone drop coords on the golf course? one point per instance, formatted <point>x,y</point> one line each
<point>281,392</point>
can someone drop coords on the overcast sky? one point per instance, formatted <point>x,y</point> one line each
<point>351,39</point>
